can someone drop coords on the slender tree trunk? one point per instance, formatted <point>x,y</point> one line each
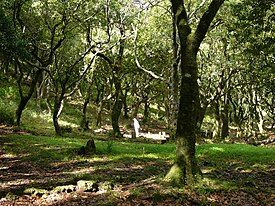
<point>125,107</point>
<point>40,90</point>
<point>98,114</point>
<point>146,110</point>
<point>217,127</point>
<point>25,99</point>
<point>58,106</point>
<point>117,107</point>
<point>84,123</point>
<point>175,76</point>
<point>225,119</point>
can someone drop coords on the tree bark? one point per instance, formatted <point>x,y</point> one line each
<point>146,110</point>
<point>25,99</point>
<point>84,123</point>
<point>175,76</point>
<point>117,107</point>
<point>116,111</point>
<point>58,106</point>
<point>186,168</point>
<point>225,119</point>
<point>125,106</point>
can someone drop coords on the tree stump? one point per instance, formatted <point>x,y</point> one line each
<point>90,148</point>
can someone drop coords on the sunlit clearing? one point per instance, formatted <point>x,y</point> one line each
<point>65,123</point>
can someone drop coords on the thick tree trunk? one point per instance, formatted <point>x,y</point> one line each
<point>185,167</point>
<point>187,122</point>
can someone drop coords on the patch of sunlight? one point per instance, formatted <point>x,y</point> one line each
<point>217,149</point>
<point>65,123</point>
<point>17,182</point>
<point>205,171</point>
<point>125,169</point>
<point>98,159</point>
<point>155,156</point>
<point>259,166</point>
<point>82,171</point>
<point>33,114</point>
<point>8,156</point>
<point>246,171</point>
<point>46,115</point>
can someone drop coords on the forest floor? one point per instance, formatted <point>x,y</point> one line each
<point>46,171</point>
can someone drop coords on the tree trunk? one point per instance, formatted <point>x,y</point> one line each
<point>117,107</point>
<point>116,111</point>
<point>146,110</point>
<point>58,106</point>
<point>84,123</point>
<point>25,99</point>
<point>98,113</point>
<point>185,167</point>
<point>175,77</point>
<point>187,128</point>
<point>125,107</point>
<point>225,119</point>
<point>217,127</point>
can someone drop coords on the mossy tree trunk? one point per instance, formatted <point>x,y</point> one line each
<point>186,167</point>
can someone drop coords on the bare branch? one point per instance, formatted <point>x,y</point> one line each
<point>135,29</point>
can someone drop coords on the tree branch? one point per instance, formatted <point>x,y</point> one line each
<point>181,19</point>
<point>135,29</point>
<point>205,22</point>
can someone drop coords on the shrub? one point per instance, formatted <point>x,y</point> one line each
<point>6,117</point>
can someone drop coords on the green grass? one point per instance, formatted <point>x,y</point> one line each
<point>218,153</point>
<point>236,153</point>
<point>59,148</point>
<point>230,167</point>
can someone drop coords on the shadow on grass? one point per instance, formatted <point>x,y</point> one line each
<point>49,165</point>
<point>239,167</point>
<point>46,162</point>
